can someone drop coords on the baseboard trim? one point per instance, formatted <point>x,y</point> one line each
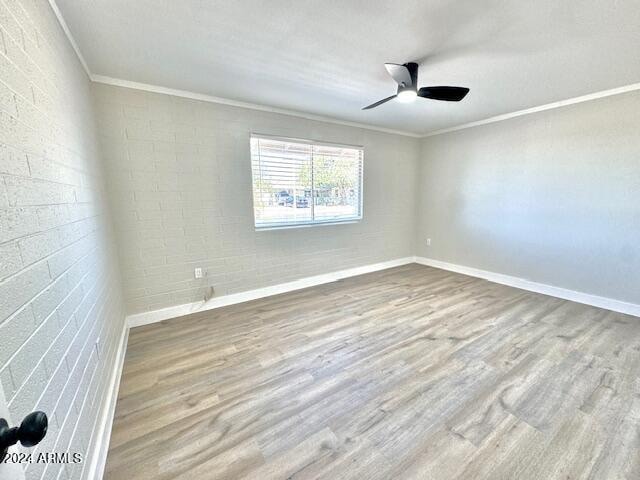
<point>146,318</point>
<point>101,446</point>
<point>564,293</point>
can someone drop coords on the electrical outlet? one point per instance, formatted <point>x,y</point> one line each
<point>428,242</point>
<point>197,272</point>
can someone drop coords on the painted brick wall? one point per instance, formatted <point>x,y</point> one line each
<point>179,177</point>
<point>61,312</point>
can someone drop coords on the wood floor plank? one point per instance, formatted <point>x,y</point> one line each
<point>411,372</point>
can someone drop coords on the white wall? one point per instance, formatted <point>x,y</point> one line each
<point>61,312</point>
<point>180,181</point>
<point>552,197</point>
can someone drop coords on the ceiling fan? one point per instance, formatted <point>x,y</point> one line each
<point>406,76</point>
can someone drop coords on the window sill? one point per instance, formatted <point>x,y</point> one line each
<point>306,225</point>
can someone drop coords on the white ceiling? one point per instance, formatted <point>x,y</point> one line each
<point>326,57</point>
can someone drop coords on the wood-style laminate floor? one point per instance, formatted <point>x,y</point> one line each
<point>411,372</point>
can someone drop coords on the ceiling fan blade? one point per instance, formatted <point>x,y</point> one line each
<point>448,94</point>
<point>379,102</point>
<point>400,74</point>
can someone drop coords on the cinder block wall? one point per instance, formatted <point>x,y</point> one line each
<point>61,312</point>
<point>179,175</point>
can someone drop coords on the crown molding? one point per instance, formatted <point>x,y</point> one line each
<point>204,97</point>
<point>67,32</point>
<point>309,116</point>
<point>235,103</point>
<point>541,108</point>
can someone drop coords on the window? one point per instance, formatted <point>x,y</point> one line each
<point>299,182</point>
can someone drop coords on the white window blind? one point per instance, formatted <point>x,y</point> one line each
<point>299,182</point>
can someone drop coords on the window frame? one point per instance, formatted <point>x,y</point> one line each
<point>307,223</point>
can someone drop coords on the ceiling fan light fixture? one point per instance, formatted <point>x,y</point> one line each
<point>407,96</point>
<point>406,76</point>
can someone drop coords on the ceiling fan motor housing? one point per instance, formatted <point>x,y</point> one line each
<point>406,77</point>
<point>413,72</point>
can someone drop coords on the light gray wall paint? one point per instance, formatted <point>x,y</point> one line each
<point>180,181</point>
<point>61,312</point>
<point>552,197</point>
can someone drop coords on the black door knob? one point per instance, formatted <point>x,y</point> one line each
<point>30,432</point>
<point>33,429</point>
